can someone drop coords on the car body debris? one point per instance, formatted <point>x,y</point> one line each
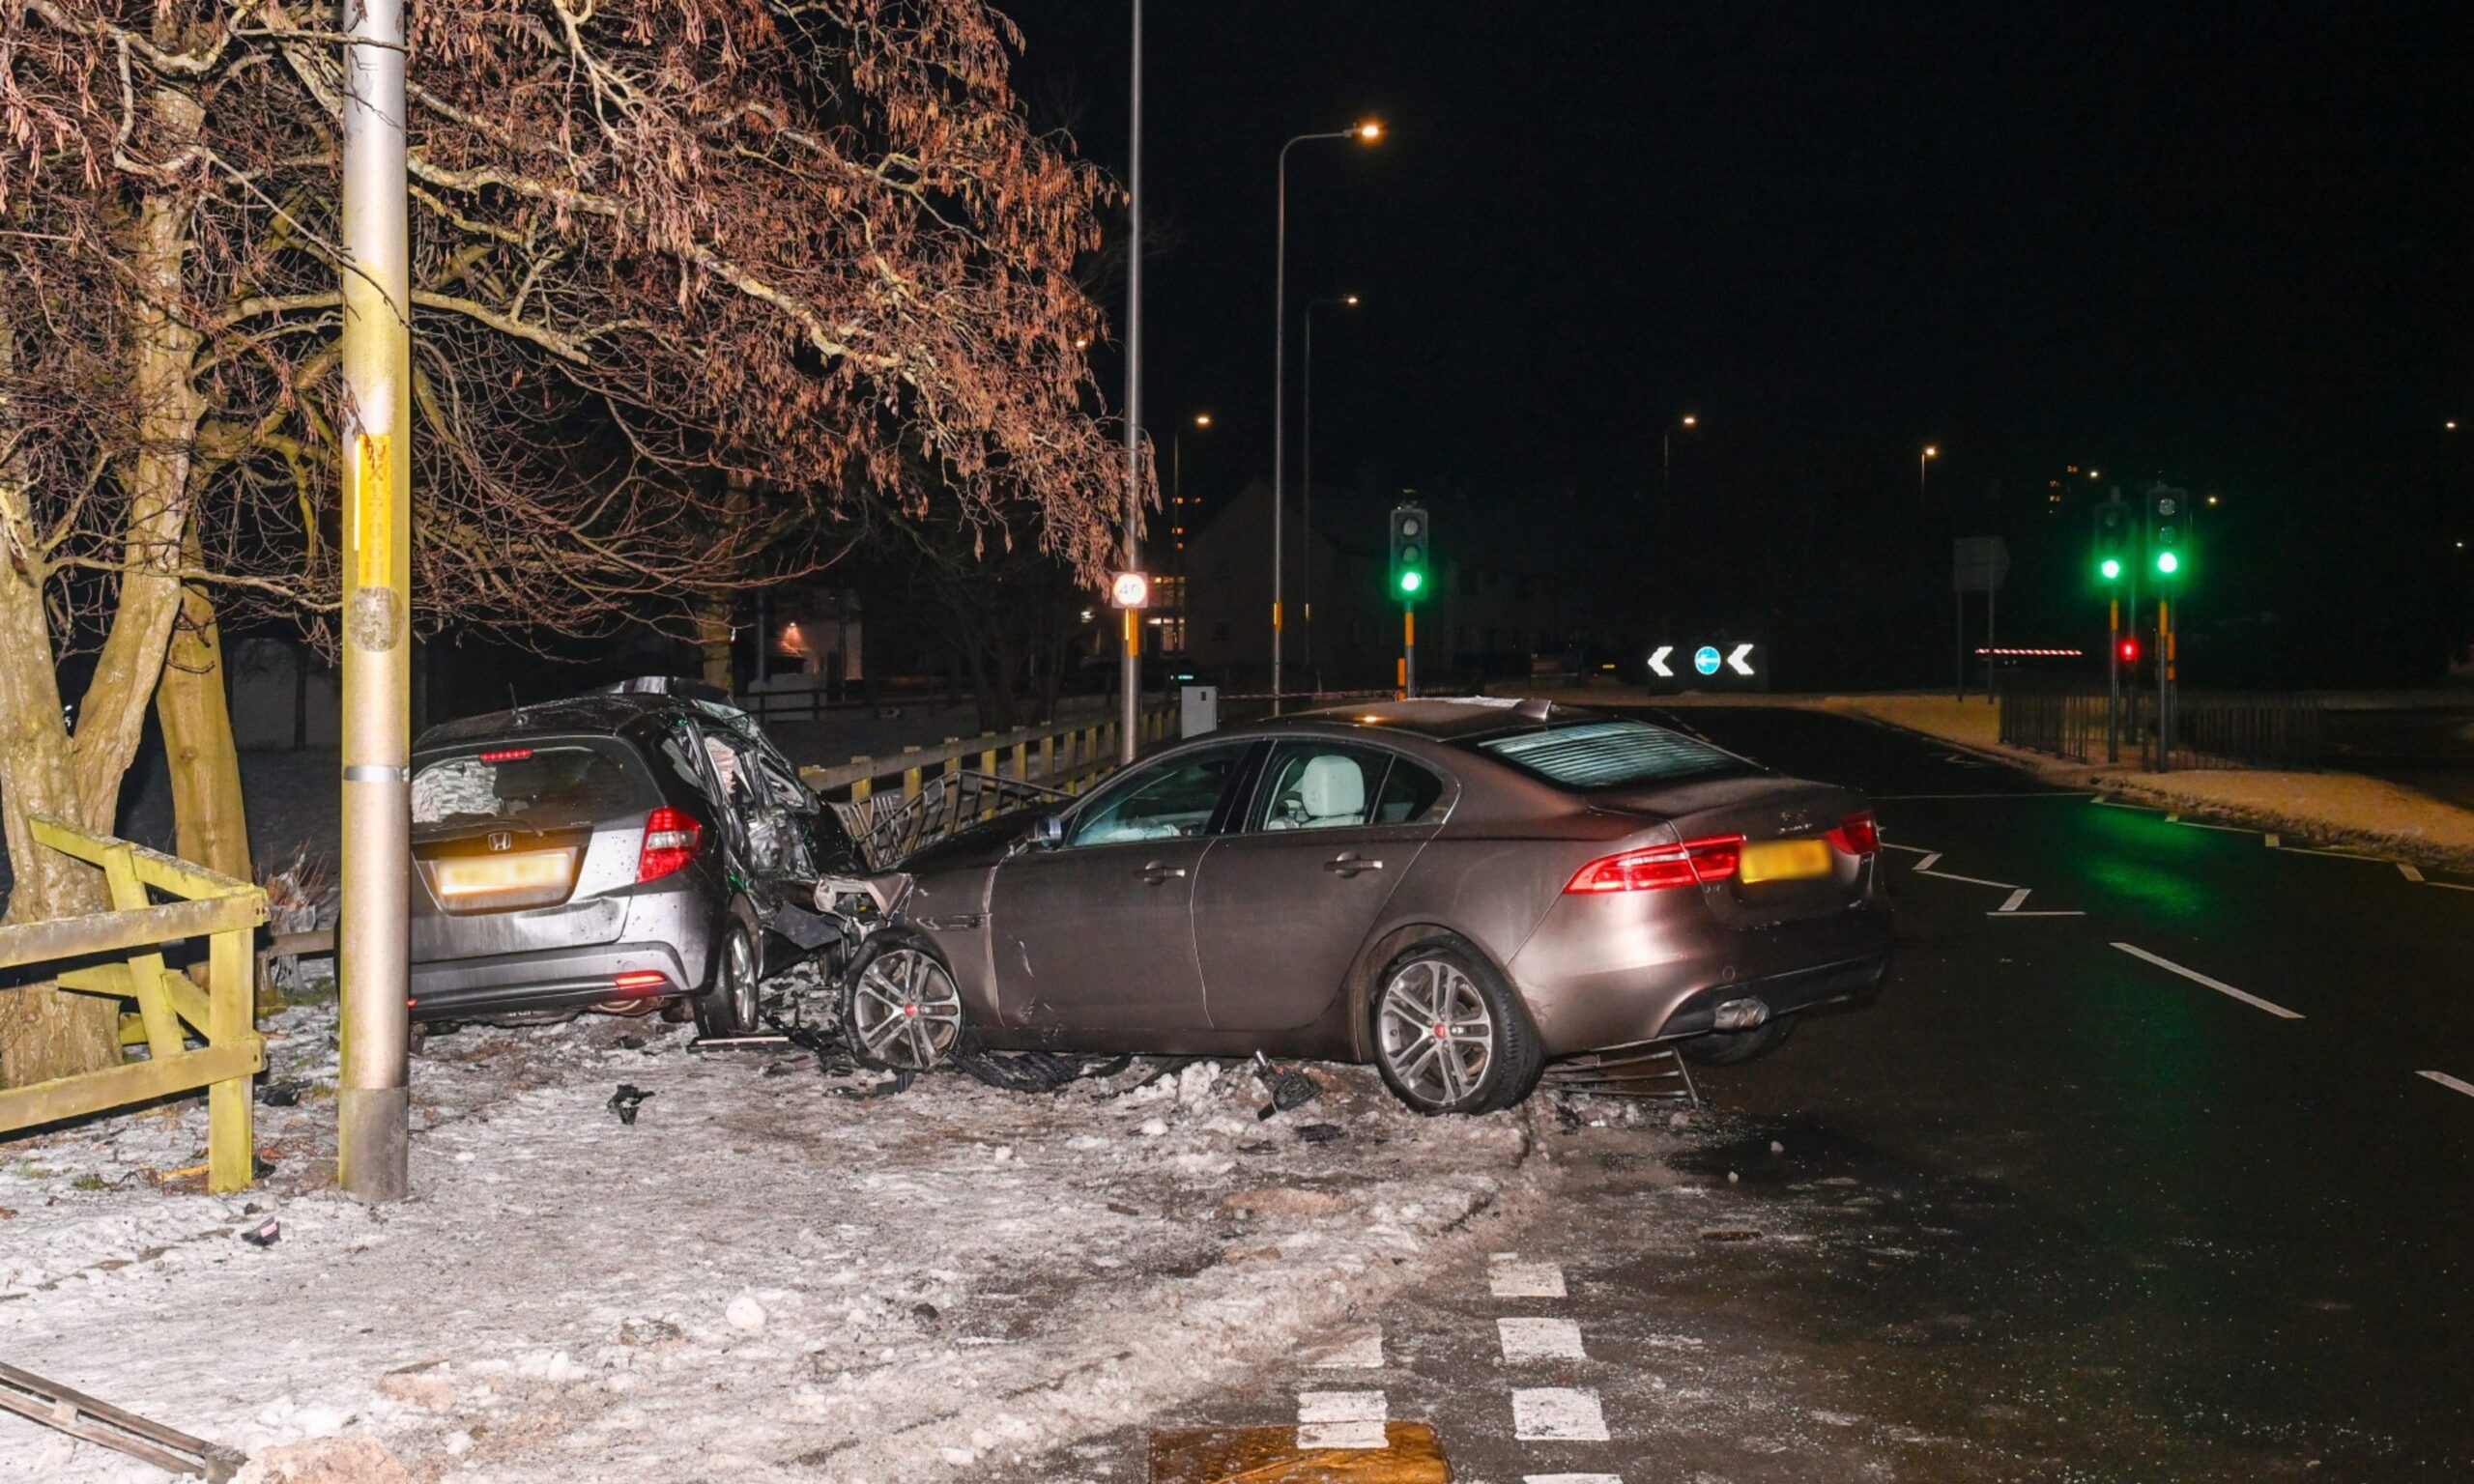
<point>626,1100</point>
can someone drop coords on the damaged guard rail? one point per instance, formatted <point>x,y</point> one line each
<point>171,1005</point>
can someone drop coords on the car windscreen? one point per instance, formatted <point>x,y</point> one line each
<point>536,787</point>
<point>1594,756</point>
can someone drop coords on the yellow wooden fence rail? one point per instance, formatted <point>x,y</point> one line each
<point>170,1006</point>
<point>1067,756</point>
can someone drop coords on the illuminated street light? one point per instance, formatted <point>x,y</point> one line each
<point>1365,132</point>
<point>1923,461</point>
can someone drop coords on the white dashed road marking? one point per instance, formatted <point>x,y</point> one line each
<point>1557,1415</point>
<point>2408,872</point>
<point>1571,1479</point>
<point>2217,985</point>
<point>2449,1082</point>
<point>1358,1350</point>
<point>1509,1277</point>
<point>1341,1420</point>
<point>1539,1339</point>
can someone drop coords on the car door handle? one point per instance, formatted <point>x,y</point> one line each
<point>1155,874</point>
<point>1351,864</point>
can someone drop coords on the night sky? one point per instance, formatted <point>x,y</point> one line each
<point>2223,244</point>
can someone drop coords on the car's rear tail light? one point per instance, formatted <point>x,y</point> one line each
<point>1659,866</point>
<point>671,838</point>
<point>506,754</point>
<point>1857,835</point>
<point>635,980</point>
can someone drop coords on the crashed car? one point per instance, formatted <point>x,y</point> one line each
<point>636,848</point>
<point>1457,891</point>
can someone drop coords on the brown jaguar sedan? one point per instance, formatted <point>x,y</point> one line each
<point>1458,891</point>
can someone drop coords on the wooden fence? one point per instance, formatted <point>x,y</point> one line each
<point>1069,757</point>
<point>170,1006</point>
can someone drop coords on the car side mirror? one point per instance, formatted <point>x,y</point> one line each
<point>1048,834</point>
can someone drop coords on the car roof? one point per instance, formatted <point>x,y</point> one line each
<point>1444,717</point>
<point>599,714</point>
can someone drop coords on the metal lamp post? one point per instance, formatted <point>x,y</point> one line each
<point>1130,669</point>
<point>1306,478</point>
<point>1368,132</point>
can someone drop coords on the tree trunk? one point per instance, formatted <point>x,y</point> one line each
<point>43,1032</point>
<point>714,639</point>
<point>213,829</point>
<point>112,716</point>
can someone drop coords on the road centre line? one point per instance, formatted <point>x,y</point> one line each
<point>2449,1082</point>
<point>2055,912</point>
<point>2217,985</point>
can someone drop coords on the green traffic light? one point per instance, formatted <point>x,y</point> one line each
<point>2112,569</point>
<point>2168,563</point>
<point>1411,582</point>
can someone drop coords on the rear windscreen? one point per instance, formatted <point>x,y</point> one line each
<point>544,787</point>
<point>1612,754</point>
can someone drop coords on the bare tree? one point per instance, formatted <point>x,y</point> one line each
<point>687,276</point>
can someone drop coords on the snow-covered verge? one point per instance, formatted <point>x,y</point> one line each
<point>2334,806</point>
<point>757,1280</point>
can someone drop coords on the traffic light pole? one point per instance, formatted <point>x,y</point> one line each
<point>2164,685</point>
<point>1408,651</point>
<point>2113,681</point>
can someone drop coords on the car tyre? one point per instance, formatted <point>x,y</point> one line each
<point>1450,1035</point>
<point>1730,1048</point>
<point>900,1009</point>
<point>730,1004</point>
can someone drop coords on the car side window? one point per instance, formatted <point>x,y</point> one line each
<point>1168,800</point>
<point>1320,786</point>
<point>1408,792</point>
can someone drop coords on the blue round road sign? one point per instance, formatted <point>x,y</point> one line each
<point>1706,660</point>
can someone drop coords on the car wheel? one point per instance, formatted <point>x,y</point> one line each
<point>1726,1048</point>
<point>729,1006</point>
<point>900,1007</point>
<point>1449,1035</point>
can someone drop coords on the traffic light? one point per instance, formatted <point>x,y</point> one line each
<point>2112,540</point>
<point>2168,523</point>
<point>2128,648</point>
<point>1410,549</point>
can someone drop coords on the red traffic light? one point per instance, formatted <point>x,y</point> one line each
<point>2128,649</point>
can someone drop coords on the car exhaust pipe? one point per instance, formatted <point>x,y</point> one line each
<point>1742,1014</point>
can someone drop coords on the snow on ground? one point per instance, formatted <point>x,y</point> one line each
<point>758,1280</point>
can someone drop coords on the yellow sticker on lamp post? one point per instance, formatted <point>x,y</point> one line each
<point>373,509</point>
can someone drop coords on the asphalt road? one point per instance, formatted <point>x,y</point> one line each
<point>2141,1178</point>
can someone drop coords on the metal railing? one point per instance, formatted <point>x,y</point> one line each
<point>2274,729</point>
<point>228,914</point>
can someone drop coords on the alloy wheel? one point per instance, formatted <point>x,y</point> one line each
<point>739,962</point>
<point>1436,1036</point>
<point>904,1010</point>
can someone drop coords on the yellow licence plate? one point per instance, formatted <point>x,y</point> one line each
<point>1784,860</point>
<point>472,875</point>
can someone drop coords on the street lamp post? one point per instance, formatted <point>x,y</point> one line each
<point>1924,463</point>
<point>1666,455</point>
<point>1305,478</point>
<point>1130,670</point>
<point>1177,518</point>
<point>1367,132</point>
